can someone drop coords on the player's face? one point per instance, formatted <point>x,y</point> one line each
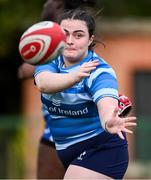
<point>77,42</point>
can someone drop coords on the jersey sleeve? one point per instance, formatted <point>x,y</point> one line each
<point>52,67</point>
<point>102,83</point>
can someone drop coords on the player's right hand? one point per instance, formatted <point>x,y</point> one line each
<point>85,70</point>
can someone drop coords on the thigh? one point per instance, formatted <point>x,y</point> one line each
<point>79,172</point>
<point>49,165</point>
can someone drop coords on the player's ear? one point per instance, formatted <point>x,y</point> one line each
<point>91,39</point>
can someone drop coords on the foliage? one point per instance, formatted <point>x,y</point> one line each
<point>15,17</point>
<point>125,8</point>
<point>12,147</point>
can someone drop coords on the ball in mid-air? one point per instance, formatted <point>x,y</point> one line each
<point>42,42</point>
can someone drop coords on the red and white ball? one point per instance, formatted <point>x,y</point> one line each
<point>42,42</point>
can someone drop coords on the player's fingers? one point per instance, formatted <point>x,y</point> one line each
<point>95,61</point>
<point>89,66</point>
<point>88,69</point>
<point>130,124</point>
<point>128,119</point>
<point>120,135</point>
<point>127,131</point>
<point>92,63</point>
<point>84,74</point>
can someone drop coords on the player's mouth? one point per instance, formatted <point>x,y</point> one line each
<point>70,49</point>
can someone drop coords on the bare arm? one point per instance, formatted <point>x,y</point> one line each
<point>111,122</point>
<point>25,71</point>
<point>48,82</point>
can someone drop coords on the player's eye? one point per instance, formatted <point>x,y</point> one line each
<point>78,35</point>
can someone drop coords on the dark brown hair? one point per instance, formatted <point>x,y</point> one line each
<point>82,15</point>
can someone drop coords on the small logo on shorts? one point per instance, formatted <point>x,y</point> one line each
<point>81,156</point>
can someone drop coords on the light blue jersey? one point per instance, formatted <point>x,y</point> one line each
<point>47,118</point>
<point>74,114</point>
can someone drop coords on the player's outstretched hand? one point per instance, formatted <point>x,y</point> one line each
<point>84,70</point>
<point>117,125</point>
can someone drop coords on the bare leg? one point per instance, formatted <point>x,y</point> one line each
<point>78,172</point>
<point>49,165</point>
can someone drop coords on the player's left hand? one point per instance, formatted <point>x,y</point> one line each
<point>117,125</point>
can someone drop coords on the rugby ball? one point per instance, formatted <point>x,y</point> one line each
<point>42,42</point>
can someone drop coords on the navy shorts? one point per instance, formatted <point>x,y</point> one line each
<point>47,142</point>
<point>106,154</point>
